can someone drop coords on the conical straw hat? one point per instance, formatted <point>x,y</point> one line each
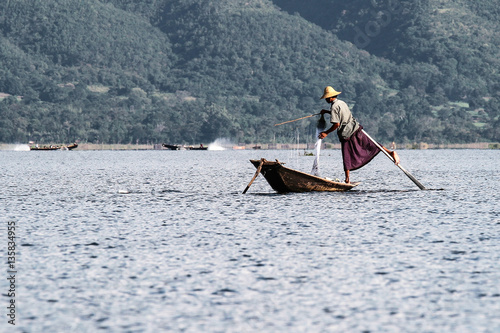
<point>330,92</point>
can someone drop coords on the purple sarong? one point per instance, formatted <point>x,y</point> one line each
<point>358,150</point>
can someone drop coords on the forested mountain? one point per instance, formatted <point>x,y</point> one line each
<point>452,42</point>
<point>190,71</point>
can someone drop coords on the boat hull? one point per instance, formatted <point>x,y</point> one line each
<point>72,146</point>
<point>178,147</point>
<point>45,148</point>
<point>284,180</point>
<point>197,148</point>
<point>171,147</point>
<point>69,147</point>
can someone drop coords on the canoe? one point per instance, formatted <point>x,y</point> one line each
<point>46,148</point>
<point>179,147</point>
<point>284,180</point>
<point>171,147</point>
<point>72,146</point>
<point>196,148</point>
<point>51,147</point>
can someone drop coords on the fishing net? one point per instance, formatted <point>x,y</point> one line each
<point>320,127</point>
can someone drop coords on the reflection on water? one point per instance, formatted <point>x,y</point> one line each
<point>150,241</point>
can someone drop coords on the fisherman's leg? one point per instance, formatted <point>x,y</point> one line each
<point>394,155</point>
<point>347,176</point>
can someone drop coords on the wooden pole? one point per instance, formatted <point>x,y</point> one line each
<point>255,176</point>
<point>290,121</point>
<point>420,186</point>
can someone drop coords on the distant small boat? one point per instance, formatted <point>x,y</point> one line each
<point>45,148</point>
<point>72,146</point>
<point>283,179</point>
<point>197,148</point>
<point>172,147</point>
<point>179,147</point>
<point>57,147</point>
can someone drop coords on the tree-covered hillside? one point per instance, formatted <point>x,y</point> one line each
<point>193,70</point>
<point>451,47</point>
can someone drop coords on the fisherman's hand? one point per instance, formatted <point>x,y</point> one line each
<point>325,111</point>
<point>322,135</point>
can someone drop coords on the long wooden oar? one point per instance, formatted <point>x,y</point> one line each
<point>255,176</point>
<point>291,121</point>
<point>420,186</point>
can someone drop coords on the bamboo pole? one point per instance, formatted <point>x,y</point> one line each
<point>290,121</point>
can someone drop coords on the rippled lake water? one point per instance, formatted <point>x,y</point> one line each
<point>151,241</point>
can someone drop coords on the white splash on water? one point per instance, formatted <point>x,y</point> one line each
<point>22,148</point>
<point>15,147</point>
<point>220,144</point>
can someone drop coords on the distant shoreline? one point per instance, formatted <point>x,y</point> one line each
<point>259,146</point>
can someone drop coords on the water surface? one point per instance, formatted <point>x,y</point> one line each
<point>149,241</point>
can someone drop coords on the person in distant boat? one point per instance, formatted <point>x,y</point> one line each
<point>357,149</point>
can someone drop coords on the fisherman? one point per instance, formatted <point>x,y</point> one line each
<point>357,149</point>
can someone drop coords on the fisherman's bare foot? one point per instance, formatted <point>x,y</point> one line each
<point>347,181</point>
<point>395,156</point>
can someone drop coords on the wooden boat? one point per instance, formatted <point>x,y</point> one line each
<point>46,148</point>
<point>197,148</point>
<point>172,147</point>
<point>72,146</point>
<point>283,179</point>
<point>178,147</point>
<point>52,147</point>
